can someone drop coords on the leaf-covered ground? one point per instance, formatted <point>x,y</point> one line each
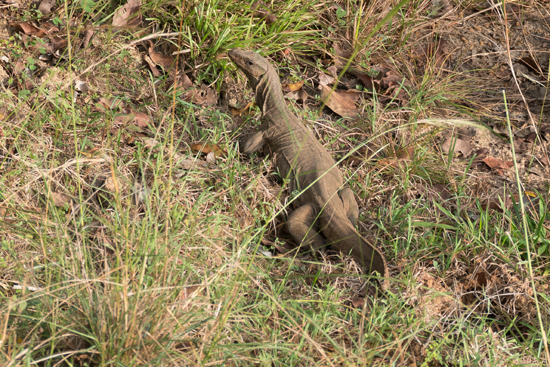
<point>134,233</point>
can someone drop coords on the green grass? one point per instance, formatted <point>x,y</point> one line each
<point>164,264</point>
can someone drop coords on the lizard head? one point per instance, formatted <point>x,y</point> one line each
<point>253,65</point>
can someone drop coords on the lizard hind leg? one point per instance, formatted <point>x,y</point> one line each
<point>350,205</point>
<point>303,229</point>
<point>253,143</point>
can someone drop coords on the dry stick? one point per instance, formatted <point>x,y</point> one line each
<point>130,45</point>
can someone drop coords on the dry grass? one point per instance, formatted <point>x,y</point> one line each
<point>122,245</point>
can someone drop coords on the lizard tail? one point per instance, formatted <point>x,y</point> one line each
<point>347,240</point>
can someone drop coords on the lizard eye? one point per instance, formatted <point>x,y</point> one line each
<point>250,63</point>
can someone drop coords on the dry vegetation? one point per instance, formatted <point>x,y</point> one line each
<point>133,233</point>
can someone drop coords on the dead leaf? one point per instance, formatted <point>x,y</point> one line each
<point>206,148</point>
<point>442,191</point>
<point>394,86</point>
<point>368,82</point>
<point>60,200</point>
<point>324,79</point>
<point>481,279</point>
<point>29,29</point>
<point>46,6</point>
<point>166,61</point>
<point>263,12</point>
<point>342,104</point>
<point>545,161</point>
<point>342,56</point>
<point>210,157</point>
<point>399,158</point>
<point>457,145</point>
<point>531,64</point>
<point>300,94</point>
<point>201,96</point>
<point>138,119</point>
<point>531,137</point>
<point>333,70</point>
<point>88,34</point>
<point>267,16</point>
<point>498,165</point>
<point>141,120</point>
<point>110,104</point>
<point>152,66</point>
<point>239,111</point>
<point>126,16</point>
<point>482,152</point>
<point>184,81</point>
<point>292,87</point>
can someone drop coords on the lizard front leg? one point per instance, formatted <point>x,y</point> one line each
<point>303,229</point>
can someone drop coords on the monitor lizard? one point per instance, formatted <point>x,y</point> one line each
<point>326,212</point>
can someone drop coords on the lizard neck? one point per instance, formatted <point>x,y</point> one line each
<point>269,97</point>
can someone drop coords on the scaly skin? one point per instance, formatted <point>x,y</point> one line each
<point>324,205</point>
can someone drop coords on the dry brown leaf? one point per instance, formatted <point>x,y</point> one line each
<point>342,104</point>
<point>166,61</point>
<point>300,94</point>
<point>498,165</point>
<point>138,119</point>
<point>531,137</point>
<point>201,96</point>
<point>399,158</point>
<point>206,148</point>
<point>333,70</point>
<point>184,81</point>
<point>141,120</point>
<point>342,56</point>
<point>442,191</point>
<point>531,64</point>
<point>368,82</point>
<point>127,15</point>
<point>545,161</point>
<point>46,6</point>
<point>267,16</point>
<point>293,87</point>
<point>210,157</point>
<point>460,145</point>
<point>239,111</point>
<point>110,104</point>
<point>324,79</point>
<point>29,29</point>
<point>60,200</point>
<point>152,66</point>
<point>88,34</point>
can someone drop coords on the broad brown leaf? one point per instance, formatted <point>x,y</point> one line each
<point>458,145</point>
<point>342,104</point>
<point>128,14</point>
<point>205,148</point>
<point>166,61</point>
<point>239,111</point>
<point>201,96</point>
<point>498,165</point>
<point>46,6</point>
<point>293,87</point>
